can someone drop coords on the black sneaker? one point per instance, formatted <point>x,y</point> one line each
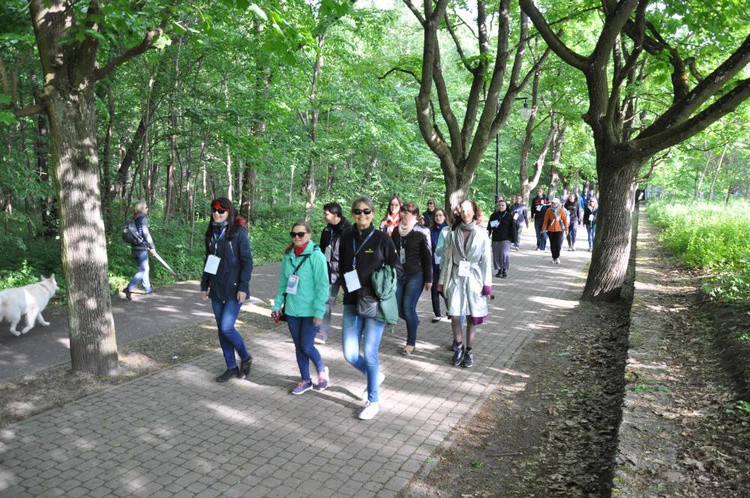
<point>468,360</point>
<point>458,356</point>
<point>504,274</point>
<point>230,373</point>
<point>245,368</point>
<point>128,294</point>
<point>499,273</point>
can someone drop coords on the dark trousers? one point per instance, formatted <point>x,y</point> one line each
<point>434,292</point>
<point>541,237</point>
<point>556,242</point>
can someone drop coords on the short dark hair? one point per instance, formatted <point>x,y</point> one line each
<point>334,208</point>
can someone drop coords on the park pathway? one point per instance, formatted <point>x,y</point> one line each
<point>178,433</point>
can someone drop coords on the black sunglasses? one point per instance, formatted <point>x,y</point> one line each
<point>220,211</point>
<point>361,211</point>
<point>297,234</point>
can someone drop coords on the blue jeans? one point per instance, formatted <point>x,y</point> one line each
<point>408,289</point>
<point>303,333</point>
<point>229,338</point>
<point>141,258</point>
<point>591,229</point>
<point>541,237</point>
<point>365,333</point>
<point>572,233</point>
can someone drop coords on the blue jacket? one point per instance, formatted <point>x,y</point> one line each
<point>312,289</point>
<point>235,267</point>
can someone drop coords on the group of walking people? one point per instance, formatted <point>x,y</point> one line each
<point>382,270</point>
<point>558,222</point>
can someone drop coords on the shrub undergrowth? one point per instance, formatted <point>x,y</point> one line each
<point>709,237</point>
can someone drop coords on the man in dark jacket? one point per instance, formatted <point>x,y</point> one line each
<point>330,241</point>
<point>538,207</point>
<point>502,231</point>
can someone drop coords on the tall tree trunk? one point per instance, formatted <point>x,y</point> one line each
<point>716,172</point>
<point>93,346</point>
<point>170,180</point>
<point>702,174</point>
<point>71,71</point>
<point>314,117</point>
<point>106,168</point>
<point>41,151</point>
<point>609,260</point>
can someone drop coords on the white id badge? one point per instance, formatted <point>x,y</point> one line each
<point>402,255</point>
<point>352,281</point>
<point>515,216</point>
<point>292,284</point>
<point>212,264</point>
<point>494,223</point>
<point>329,253</point>
<point>539,208</point>
<point>438,259</point>
<point>463,268</point>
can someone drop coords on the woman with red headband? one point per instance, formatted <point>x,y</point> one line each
<point>226,280</point>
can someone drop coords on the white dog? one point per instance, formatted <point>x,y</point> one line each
<point>29,301</point>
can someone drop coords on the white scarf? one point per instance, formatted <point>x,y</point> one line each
<point>404,228</point>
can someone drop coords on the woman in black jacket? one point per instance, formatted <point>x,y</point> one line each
<point>226,280</point>
<point>363,251</point>
<point>572,206</point>
<point>413,244</point>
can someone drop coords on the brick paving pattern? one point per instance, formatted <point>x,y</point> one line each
<point>179,434</point>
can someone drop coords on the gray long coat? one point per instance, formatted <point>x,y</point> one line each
<point>463,295</point>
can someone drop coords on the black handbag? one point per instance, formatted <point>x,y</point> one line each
<point>367,303</point>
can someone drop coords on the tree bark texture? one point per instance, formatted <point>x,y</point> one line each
<point>609,260</point>
<point>93,346</point>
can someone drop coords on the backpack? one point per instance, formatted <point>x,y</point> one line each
<point>130,233</point>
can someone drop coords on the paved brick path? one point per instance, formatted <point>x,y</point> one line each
<point>180,434</point>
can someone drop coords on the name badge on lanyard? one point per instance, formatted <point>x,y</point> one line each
<point>212,264</point>
<point>292,284</point>
<point>463,268</point>
<point>352,281</point>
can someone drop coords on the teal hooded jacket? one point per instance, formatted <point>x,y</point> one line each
<point>312,290</point>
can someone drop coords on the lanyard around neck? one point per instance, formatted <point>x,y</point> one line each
<point>356,250</point>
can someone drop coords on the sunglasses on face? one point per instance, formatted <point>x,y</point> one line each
<point>297,234</point>
<point>220,211</point>
<point>361,211</point>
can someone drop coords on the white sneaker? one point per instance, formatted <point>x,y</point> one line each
<point>371,409</point>
<point>381,378</point>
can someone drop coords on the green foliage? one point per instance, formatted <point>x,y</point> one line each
<point>23,276</point>
<point>710,238</point>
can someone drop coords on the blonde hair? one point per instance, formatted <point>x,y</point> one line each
<point>140,206</point>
